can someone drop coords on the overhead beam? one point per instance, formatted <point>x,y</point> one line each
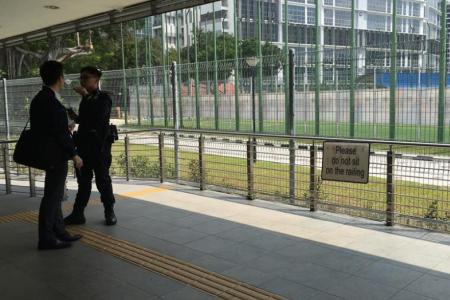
<point>145,9</point>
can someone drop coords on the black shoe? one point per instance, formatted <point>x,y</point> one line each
<point>52,245</point>
<point>70,237</point>
<point>75,219</point>
<point>110,217</point>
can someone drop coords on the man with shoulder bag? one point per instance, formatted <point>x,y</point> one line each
<point>49,127</point>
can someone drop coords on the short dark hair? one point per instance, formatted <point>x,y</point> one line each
<point>50,72</point>
<point>92,71</point>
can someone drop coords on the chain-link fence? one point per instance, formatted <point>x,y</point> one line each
<point>232,95</point>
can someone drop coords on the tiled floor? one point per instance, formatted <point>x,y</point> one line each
<point>282,249</point>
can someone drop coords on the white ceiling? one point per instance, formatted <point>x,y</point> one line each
<point>23,16</point>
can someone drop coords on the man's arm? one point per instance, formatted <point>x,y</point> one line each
<point>102,117</point>
<point>60,130</point>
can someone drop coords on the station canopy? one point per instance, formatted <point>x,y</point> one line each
<point>30,20</point>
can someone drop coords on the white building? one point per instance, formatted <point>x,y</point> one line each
<point>418,24</point>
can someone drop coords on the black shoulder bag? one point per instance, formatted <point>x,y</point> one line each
<point>37,151</point>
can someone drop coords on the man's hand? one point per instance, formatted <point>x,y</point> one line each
<point>77,161</point>
<point>81,90</point>
<point>71,113</point>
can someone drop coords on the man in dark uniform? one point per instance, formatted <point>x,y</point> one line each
<point>93,141</point>
<point>48,120</point>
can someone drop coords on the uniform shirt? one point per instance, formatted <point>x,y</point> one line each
<point>93,119</point>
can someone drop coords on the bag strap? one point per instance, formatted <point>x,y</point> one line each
<point>26,125</point>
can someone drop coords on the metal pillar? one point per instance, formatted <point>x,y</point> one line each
<point>442,71</point>
<point>390,192</point>
<point>312,178</point>
<point>286,66</point>
<point>216,97</point>
<point>250,174</point>
<point>197,96</point>
<point>236,68</point>
<point>5,103</point>
<point>176,121</point>
<point>352,72</point>
<point>162,169</point>
<point>164,66</point>
<point>124,74</point>
<point>318,72</point>
<point>393,90</point>
<point>137,74</point>
<point>292,172</point>
<point>180,107</point>
<point>201,161</point>
<point>150,71</point>
<point>6,168</point>
<point>260,73</point>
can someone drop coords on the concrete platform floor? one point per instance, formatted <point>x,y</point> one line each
<point>277,248</point>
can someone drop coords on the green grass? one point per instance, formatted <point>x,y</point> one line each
<point>362,131</point>
<point>409,133</point>
<point>411,199</point>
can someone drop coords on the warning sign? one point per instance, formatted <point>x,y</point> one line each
<point>347,162</point>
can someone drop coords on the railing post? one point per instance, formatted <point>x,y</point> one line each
<point>127,157</point>
<point>6,168</point>
<point>390,192</point>
<point>312,178</point>
<point>201,161</point>
<point>162,170</point>
<point>250,175</point>
<point>292,181</point>
<point>32,179</point>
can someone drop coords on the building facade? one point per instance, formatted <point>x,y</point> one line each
<point>418,23</point>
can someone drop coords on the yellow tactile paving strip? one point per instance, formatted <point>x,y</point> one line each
<point>209,282</point>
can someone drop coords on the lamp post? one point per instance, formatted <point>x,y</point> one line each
<point>252,62</point>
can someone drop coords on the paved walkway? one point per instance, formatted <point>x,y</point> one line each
<point>268,249</point>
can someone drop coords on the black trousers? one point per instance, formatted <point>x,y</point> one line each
<point>100,168</point>
<point>51,224</point>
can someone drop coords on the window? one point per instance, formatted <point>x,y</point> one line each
<point>296,14</point>
<point>311,15</point>
<point>416,9</point>
<point>270,32</point>
<point>415,26</point>
<point>344,3</point>
<point>269,11</point>
<point>248,9</point>
<point>343,18</point>
<point>376,22</point>
<point>377,5</point>
<point>294,34</point>
<point>328,2</point>
<point>328,56</point>
<point>328,17</point>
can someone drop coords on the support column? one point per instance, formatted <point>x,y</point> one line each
<point>393,90</point>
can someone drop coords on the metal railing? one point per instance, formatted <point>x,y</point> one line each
<point>409,183</point>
